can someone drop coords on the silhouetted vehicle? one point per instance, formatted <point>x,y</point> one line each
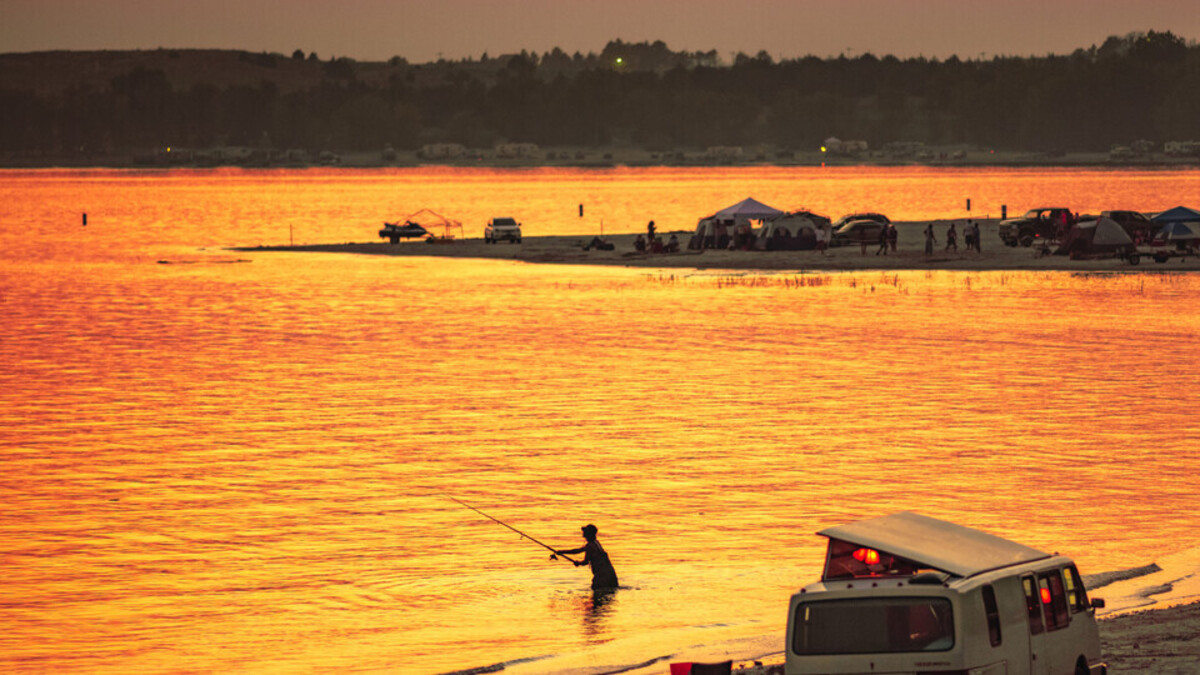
<point>1045,223</point>
<point>877,217</point>
<point>502,228</point>
<point>394,232</point>
<point>856,232</point>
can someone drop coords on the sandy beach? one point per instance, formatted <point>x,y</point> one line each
<point>909,255</point>
<point>1162,641</point>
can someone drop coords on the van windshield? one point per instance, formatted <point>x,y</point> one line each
<point>873,626</point>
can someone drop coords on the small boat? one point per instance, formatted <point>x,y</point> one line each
<point>420,224</point>
<point>394,232</point>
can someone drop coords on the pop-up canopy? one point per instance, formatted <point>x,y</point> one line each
<point>746,210</point>
<point>1179,214</point>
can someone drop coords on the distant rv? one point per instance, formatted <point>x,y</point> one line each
<point>907,593</point>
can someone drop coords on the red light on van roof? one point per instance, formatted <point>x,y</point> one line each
<point>1045,596</point>
<point>868,556</point>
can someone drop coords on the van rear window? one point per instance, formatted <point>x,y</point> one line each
<point>873,626</point>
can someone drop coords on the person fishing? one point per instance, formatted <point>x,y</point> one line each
<point>603,574</point>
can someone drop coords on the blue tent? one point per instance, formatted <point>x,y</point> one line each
<point>1179,214</point>
<point>1178,231</point>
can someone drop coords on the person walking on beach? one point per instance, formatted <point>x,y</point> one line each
<point>883,240</point>
<point>951,238</point>
<point>930,239</point>
<point>975,229</point>
<point>893,236</point>
<point>650,231</point>
<point>603,574</point>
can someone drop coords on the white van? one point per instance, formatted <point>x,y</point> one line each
<point>906,593</point>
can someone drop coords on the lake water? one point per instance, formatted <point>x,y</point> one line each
<point>242,461</point>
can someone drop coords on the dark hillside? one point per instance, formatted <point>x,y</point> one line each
<point>1138,91</point>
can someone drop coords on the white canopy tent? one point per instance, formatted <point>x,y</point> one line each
<point>746,210</point>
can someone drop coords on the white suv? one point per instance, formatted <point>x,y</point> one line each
<point>502,228</point>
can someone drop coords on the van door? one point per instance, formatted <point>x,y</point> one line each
<point>1039,653</point>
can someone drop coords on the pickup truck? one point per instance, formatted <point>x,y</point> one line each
<point>1044,223</point>
<point>502,228</point>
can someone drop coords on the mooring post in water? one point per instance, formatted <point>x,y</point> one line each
<point>85,218</point>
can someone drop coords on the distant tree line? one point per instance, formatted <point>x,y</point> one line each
<point>1130,87</point>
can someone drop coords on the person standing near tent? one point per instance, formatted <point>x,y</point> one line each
<point>603,574</point>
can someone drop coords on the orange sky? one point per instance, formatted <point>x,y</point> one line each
<point>421,30</point>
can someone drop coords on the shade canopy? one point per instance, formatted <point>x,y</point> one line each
<point>938,544</point>
<point>748,209</point>
<point>1179,214</point>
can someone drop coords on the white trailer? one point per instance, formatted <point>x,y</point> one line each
<point>907,593</point>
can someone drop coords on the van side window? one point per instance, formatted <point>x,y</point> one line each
<point>1076,595</point>
<point>1032,605</point>
<point>1054,600</point>
<point>993,615</point>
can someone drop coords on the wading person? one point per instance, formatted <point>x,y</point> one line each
<point>603,574</point>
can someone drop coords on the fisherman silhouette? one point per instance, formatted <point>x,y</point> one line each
<point>603,574</point>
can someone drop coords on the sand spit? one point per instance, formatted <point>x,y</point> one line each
<point>910,255</point>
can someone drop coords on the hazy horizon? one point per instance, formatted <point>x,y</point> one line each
<point>376,30</point>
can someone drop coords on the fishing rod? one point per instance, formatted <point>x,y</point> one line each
<point>554,555</point>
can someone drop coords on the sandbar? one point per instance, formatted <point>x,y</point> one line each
<point>909,255</point>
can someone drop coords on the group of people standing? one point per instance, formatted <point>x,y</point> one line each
<point>888,237</point>
<point>970,234</point>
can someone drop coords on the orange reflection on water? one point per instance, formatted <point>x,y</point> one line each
<point>242,466</point>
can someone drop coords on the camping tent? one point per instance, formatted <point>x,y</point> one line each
<point>709,230</point>
<point>1179,214</point>
<point>1103,236</point>
<point>791,232</point>
<point>1178,232</point>
<point>746,210</point>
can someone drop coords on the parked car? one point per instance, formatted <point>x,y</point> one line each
<point>856,232</point>
<point>877,217</point>
<point>1045,223</point>
<point>907,593</point>
<point>502,228</point>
